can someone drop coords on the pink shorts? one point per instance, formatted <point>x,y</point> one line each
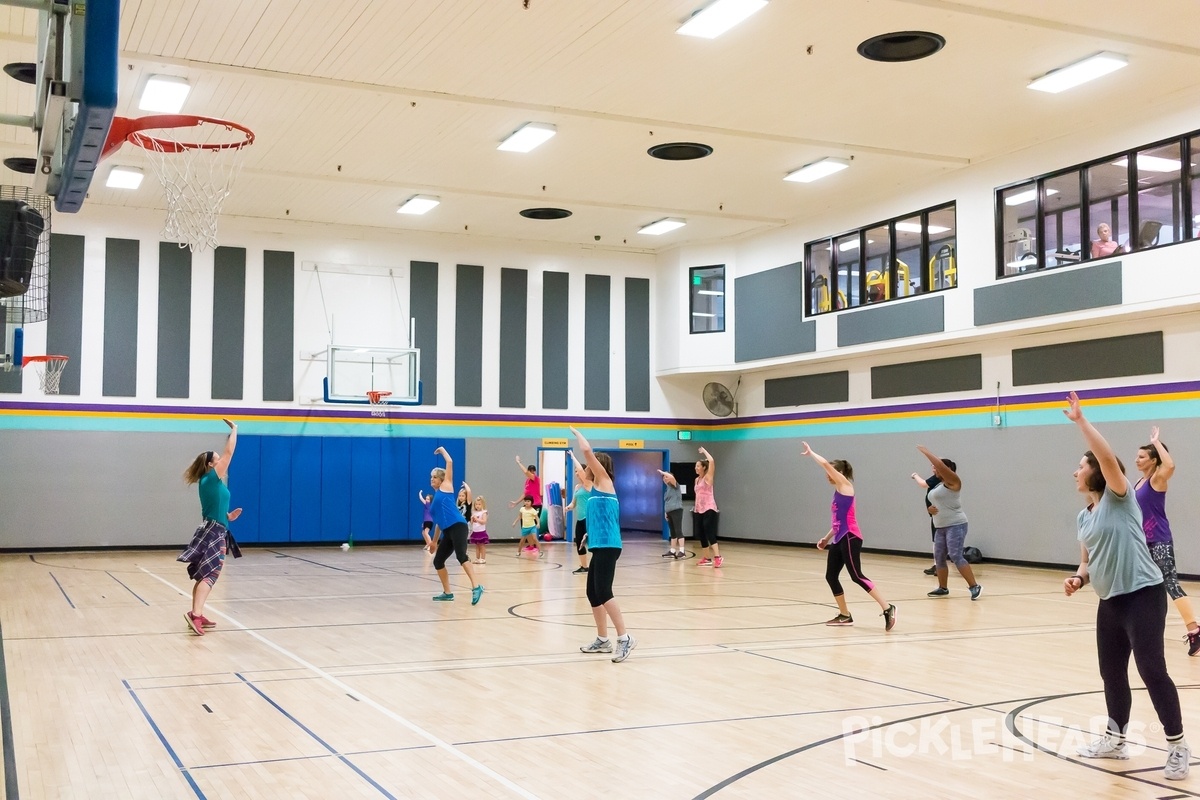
<point>479,537</point>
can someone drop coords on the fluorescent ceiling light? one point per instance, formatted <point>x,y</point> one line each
<point>817,170</point>
<point>164,94</point>
<point>913,227</point>
<point>1025,197</point>
<point>852,244</point>
<point>1072,75</point>
<point>702,314</point>
<point>527,137</point>
<point>418,204</point>
<point>662,226</point>
<point>124,178</point>
<point>1151,164</point>
<point>710,292</point>
<point>716,18</point>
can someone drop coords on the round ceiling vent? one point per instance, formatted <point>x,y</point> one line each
<point>901,46</point>
<point>545,213</point>
<point>25,165</point>
<point>680,151</point>
<point>24,71</point>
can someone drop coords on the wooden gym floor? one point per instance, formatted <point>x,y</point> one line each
<point>333,675</point>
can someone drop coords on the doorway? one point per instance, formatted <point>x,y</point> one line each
<point>640,488</point>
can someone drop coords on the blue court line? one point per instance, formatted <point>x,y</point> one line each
<point>61,589</point>
<point>131,591</point>
<point>10,755</point>
<point>318,739</point>
<point>153,726</point>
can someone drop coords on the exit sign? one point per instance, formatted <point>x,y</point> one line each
<point>683,436</point>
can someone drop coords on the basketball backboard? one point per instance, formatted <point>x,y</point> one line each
<point>354,371</point>
<point>74,78</point>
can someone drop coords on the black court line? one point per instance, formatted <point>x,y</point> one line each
<point>308,561</point>
<point>841,674</point>
<point>869,764</point>
<point>10,754</point>
<point>61,589</point>
<point>187,775</point>
<point>131,591</point>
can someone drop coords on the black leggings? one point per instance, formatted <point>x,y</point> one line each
<point>705,527</point>
<point>675,523</point>
<point>601,571</point>
<point>1135,623</point>
<point>846,553</point>
<point>454,539</point>
<point>581,537</point>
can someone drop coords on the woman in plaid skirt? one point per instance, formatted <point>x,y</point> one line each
<point>206,554</point>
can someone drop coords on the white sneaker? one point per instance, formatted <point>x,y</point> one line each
<point>1179,756</point>
<point>623,648</point>
<point>598,646</point>
<point>1106,747</point>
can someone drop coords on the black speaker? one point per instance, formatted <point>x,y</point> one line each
<point>20,227</point>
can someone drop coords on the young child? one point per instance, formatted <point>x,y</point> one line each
<point>479,536</point>
<point>427,522</point>
<point>527,515</point>
<point>463,501</point>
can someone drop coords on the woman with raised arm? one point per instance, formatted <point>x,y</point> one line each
<point>1131,616</point>
<point>844,541</point>
<point>950,526</point>
<point>205,556</point>
<point>578,505</point>
<point>673,514</point>
<point>705,514</point>
<point>604,539</point>
<point>454,529</point>
<point>1157,467</point>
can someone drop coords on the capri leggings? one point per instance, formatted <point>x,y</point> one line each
<point>600,575</point>
<point>454,539</point>
<point>705,527</point>
<point>1134,624</point>
<point>846,553</point>
<point>675,523</point>
<point>948,545</point>
<point>581,537</point>
<point>1163,554</point>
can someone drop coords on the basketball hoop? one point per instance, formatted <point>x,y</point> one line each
<point>196,160</point>
<point>49,370</point>
<point>378,407</point>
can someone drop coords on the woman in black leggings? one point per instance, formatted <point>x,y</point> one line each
<point>1131,617</point>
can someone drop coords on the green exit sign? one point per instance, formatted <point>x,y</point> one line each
<point>696,280</point>
<point>683,436</point>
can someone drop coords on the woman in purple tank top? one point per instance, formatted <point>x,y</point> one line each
<point>844,541</point>
<point>1157,467</point>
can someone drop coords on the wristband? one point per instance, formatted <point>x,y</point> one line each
<point>1082,582</point>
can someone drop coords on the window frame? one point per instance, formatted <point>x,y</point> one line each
<point>693,291</point>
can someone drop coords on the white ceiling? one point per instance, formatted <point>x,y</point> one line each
<point>359,104</point>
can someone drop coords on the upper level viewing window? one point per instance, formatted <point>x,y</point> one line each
<point>901,257</point>
<point>708,299</point>
<point>1089,211</point>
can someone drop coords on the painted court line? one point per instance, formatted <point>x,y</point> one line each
<point>357,695</point>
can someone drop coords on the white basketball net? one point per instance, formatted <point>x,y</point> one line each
<point>50,374</point>
<point>377,403</point>
<point>196,180</point>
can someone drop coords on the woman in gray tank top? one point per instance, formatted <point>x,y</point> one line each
<point>950,526</point>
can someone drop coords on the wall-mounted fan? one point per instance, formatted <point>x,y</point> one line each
<point>719,400</point>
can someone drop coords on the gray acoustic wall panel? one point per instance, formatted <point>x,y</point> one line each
<point>174,356</point>
<point>637,344</point>
<point>1049,293</point>
<point>514,318</point>
<point>279,325</point>
<point>768,307</point>
<point>64,324</point>
<point>468,336</point>
<point>1093,359</point>
<point>423,309</point>
<point>958,374</point>
<point>803,390</point>
<point>229,322</point>
<point>120,318</point>
<point>892,321</point>
<point>556,317</point>
<point>596,327</point>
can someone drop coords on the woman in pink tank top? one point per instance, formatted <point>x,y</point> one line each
<point>705,516</point>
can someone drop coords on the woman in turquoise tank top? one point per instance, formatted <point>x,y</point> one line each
<point>206,554</point>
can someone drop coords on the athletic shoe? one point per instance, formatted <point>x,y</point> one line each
<point>1107,747</point>
<point>624,646</point>
<point>444,596</point>
<point>680,555</point>
<point>598,646</point>
<point>932,570</point>
<point>1178,757</point>
<point>669,555</point>
<point>580,571</point>
<point>1193,640</point>
<point>205,622</point>
<point>194,623</point>
<point>476,593</point>
<point>975,590</point>
<point>704,562</point>
<point>889,618</point>
<point>941,591</point>
<point>840,620</point>
<point>718,561</point>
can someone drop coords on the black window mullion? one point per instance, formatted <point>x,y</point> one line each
<point>1134,223</point>
<point>1085,214</point>
<point>1039,226</point>
<point>1185,164</point>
